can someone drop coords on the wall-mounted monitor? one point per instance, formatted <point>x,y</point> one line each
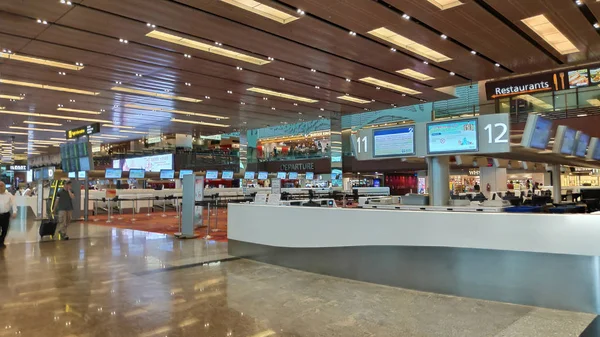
<point>564,140</point>
<point>537,132</point>
<point>112,173</point>
<point>263,175</point>
<point>137,173</point>
<point>594,149</point>
<point>582,144</point>
<point>281,175</point>
<point>458,136</point>
<point>293,175</point>
<point>228,175</point>
<point>310,175</point>
<point>183,173</point>
<point>249,175</point>
<point>71,175</point>
<point>399,141</point>
<point>212,174</point>
<point>167,174</point>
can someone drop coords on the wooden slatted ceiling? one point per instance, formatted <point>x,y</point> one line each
<point>564,15</point>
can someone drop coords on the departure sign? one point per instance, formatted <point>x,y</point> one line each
<point>83,131</point>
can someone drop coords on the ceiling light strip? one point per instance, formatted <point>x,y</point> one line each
<point>89,112</point>
<point>415,74</point>
<point>263,10</point>
<point>42,123</point>
<point>547,31</point>
<point>154,94</point>
<point>445,4</point>
<point>389,85</point>
<point>206,47</point>
<point>408,44</point>
<point>40,61</point>
<point>354,99</point>
<point>199,123</point>
<point>282,95</point>
<point>35,129</point>
<point>33,114</point>
<point>175,111</point>
<point>17,98</point>
<point>48,87</point>
<point>118,126</point>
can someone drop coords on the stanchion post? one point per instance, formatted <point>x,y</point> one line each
<point>109,212</point>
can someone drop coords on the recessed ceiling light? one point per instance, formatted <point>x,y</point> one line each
<point>264,10</point>
<point>188,84</point>
<point>317,87</point>
<point>89,112</point>
<point>473,52</point>
<point>242,103</point>
<point>187,56</point>
<point>282,78</point>
<point>48,87</point>
<point>282,95</point>
<point>62,73</point>
<point>445,4</point>
<point>265,98</point>
<point>295,104</point>
<point>313,70</point>
<point>11,97</point>
<point>320,116</point>
<point>299,113</point>
<point>389,85</point>
<point>452,73</point>
<point>596,25</point>
<point>425,62</point>
<point>322,109</point>
<point>153,94</point>
<point>123,41</point>
<point>42,123</point>
<point>352,33</point>
<point>547,31</point>
<point>348,80</point>
<point>270,58</point>
<point>444,36</point>
<point>35,129</point>
<point>150,25</point>
<point>579,2</point>
<point>16,57</point>
<point>138,75</point>
<point>393,49</point>
<point>44,22</point>
<point>197,123</point>
<point>239,68</point>
<point>403,95</point>
<point>354,99</point>
<point>207,97</point>
<point>406,16</point>
<point>205,47</point>
<point>218,43</point>
<point>65,2</point>
<point>272,108</point>
<point>229,92</point>
<point>72,100</point>
<point>174,111</point>
<point>415,74</point>
<point>408,44</point>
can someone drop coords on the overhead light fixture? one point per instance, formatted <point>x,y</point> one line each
<point>354,99</point>
<point>408,44</point>
<point>579,2</point>
<point>16,98</point>
<point>239,68</point>
<point>48,87</point>
<point>175,111</point>
<point>264,10</point>
<point>444,36</point>
<point>153,94</point>
<point>66,2</point>
<point>39,61</point>
<point>89,112</point>
<point>415,74</point>
<point>473,52</point>
<point>44,22</point>
<point>282,95</point>
<point>117,126</point>
<point>135,132</point>
<point>406,16</point>
<point>150,25</point>
<point>596,25</point>
<point>14,133</point>
<point>317,87</point>
<point>270,58</point>
<point>313,70</point>
<point>389,85</point>
<point>42,123</point>
<point>199,123</point>
<point>123,41</point>
<point>205,47</point>
<point>547,31</point>
<point>445,4</point>
<point>497,64</point>
<point>229,92</point>
<point>187,56</point>
<point>393,49</point>
<point>425,62</point>
<point>352,33</point>
<point>35,129</point>
<point>452,73</point>
<point>282,78</point>
<point>33,114</point>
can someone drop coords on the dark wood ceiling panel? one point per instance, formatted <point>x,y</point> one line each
<point>473,26</point>
<point>49,10</point>
<point>20,26</point>
<point>567,18</point>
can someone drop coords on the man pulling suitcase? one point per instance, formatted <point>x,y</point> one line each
<point>65,210</point>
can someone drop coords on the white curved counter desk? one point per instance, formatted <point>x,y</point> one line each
<point>549,260</point>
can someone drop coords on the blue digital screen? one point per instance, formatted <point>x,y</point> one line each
<point>541,133</point>
<point>281,175</point>
<point>112,173</point>
<point>293,175</point>
<point>263,175</point>
<point>167,174</point>
<point>310,175</point>
<point>227,175</point>
<point>183,173</point>
<point>137,173</point>
<point>568,144</point>
<point>249,175</point>
<point>394,142</point>
<point>212,174</point>
<point>452,137</point>
<point>582,145</point>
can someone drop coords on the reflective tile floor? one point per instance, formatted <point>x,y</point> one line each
<point>131,283</point>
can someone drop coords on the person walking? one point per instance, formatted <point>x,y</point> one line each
<point>65,210</point>
<point>8,209</point>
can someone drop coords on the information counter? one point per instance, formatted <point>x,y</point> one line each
<point>547,260</point>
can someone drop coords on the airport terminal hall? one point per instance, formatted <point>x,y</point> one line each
<point>300,168</point>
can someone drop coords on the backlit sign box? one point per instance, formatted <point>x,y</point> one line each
<point>522,85</point>
<point>83,131</point>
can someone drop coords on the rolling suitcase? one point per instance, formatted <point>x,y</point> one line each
<point>47,228</point>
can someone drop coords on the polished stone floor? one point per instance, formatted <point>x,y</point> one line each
<point>131,283</point>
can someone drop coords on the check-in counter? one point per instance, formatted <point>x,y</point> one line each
<point>547,260</point>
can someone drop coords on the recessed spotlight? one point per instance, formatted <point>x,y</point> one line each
<point>102,110</point>
<point>320,116</point>
<point>352,33</point>
<point>406,16</point>
<point>72,100</point>
<point>65,2</point>
<point>245,122</point>
<point>295,104</point>
<point>218,43</point>
<point>299,11</point>
<point>239,68</point>
<point>425,62</point>
<point>393,49</point>
<point>123,41</point>
<point>497,64</point>
<point>188,84</point>
<point>317,87</point>
<point>270,58</point>
<point>596,25</point>
<point>444,36</point>
<point>229,92</point>
<point>207,97</point>
<point>377,88</point>
<point>313,70</point>
<point>348,80</point>
<point>150,25</point>
<point>366,109</point>
<point>372,100</point>
<point>118,82</point>
<point>60,105</point>
<point>579,2</point>
<point>62,73</point>
<point>299,113</point>
<point>138,75</point>
<point>44,22</point>
<point>187,56</point>
<point>282,78</point>
<point>452,73</point>
<point>242,103</point>
<point>272,108</point>
<point>473,52</point>
<point>265,98</point>
<point>79,64</point>
<point>322,109</point>
<point>403,95</point>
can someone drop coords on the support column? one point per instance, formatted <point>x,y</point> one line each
<point>439,180</point>
<point>556,188</point>
<point>495,176</point>
<point>336,149</point>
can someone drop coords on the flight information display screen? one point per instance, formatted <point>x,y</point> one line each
<point>249,175</point>
<point>212,174</point>
<point>137,173</point>
<point>227,175</point>
<point>394,142</point>
<point>263,175</point>
<point>167,174</point>
<point>541,133</point>
<point>113,173</point>
<point>452,137</point>
<point>582,145</point>
<point>568,144</point>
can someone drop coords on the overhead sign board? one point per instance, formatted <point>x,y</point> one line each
<point>83,131</point>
